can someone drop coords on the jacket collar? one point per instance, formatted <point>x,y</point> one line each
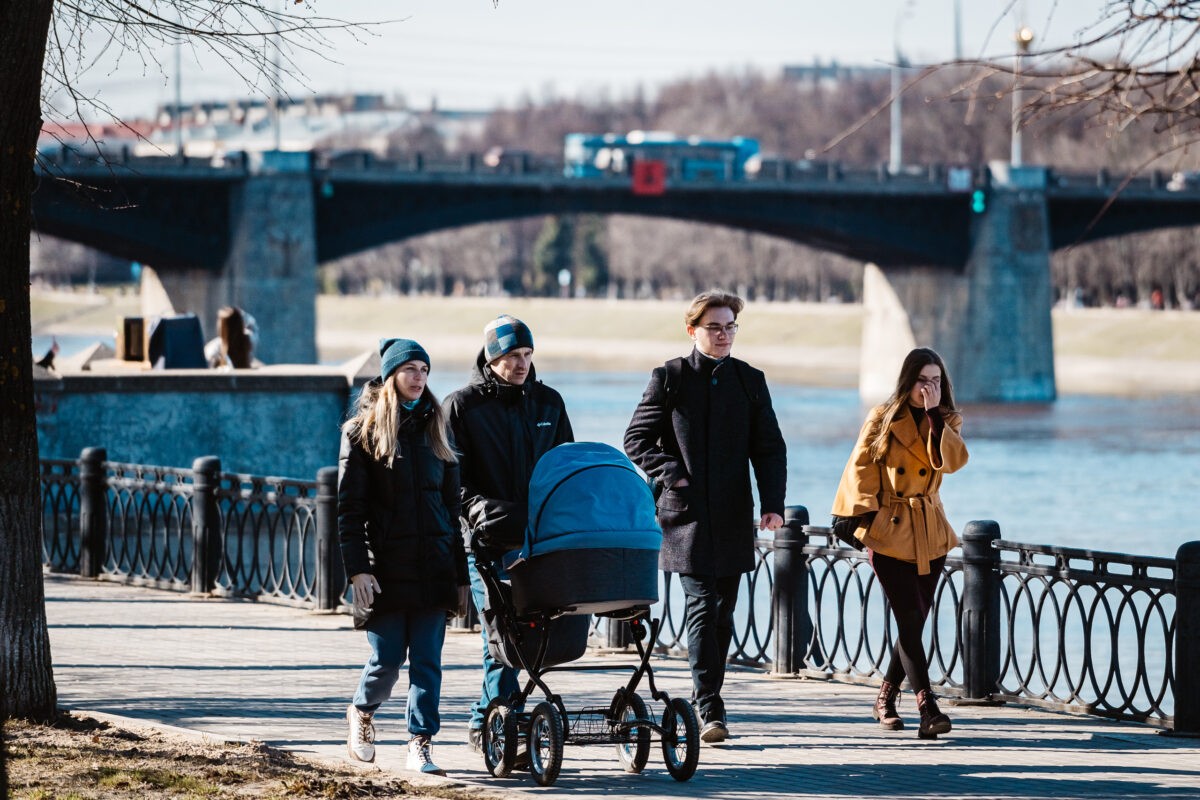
<point>907,433</point>
<point>486,381</point>
<point>703,364</point>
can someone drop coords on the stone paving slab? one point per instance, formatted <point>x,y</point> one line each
<point>253,671</point>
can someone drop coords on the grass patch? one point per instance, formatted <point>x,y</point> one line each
<point>80,758</point>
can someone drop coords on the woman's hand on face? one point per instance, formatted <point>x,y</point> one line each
<point>363,588</point>
<point>931,394</point>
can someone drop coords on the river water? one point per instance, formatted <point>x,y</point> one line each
<point>1095,472</point>
<point>1101,473</point>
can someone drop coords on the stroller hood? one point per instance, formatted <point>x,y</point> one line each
<point>585,495</point>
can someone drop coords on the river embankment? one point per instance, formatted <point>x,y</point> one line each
<point>1127,351</point>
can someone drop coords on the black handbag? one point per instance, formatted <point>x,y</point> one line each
<point>844,527</point>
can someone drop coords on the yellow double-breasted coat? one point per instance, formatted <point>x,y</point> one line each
<point>911,524</point>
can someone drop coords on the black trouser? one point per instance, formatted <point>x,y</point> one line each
<point>911,598</point>
<point>709,615</point>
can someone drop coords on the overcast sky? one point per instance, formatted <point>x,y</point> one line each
<point>469,54</point>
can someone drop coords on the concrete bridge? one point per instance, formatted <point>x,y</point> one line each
<point>957,260</point>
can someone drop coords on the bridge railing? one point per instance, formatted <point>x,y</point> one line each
<point>520,163</point>
<point>1066,629</point>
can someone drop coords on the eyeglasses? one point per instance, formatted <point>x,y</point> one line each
<point>728,330</point>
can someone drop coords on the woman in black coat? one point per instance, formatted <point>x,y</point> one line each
<point>398,505</point>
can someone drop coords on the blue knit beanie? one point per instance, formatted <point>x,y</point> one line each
<point>504,334</point>
<point>394,352</point>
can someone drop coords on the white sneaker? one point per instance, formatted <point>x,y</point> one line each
<point>361,741</point>
<point>419,759</point>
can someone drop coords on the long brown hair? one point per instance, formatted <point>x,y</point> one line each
<point>376,422</point>
<point>235,342</point>
<point>910,372</point>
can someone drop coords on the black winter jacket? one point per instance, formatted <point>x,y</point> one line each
<point>710,430</point>
<point>501,431</point>
<point>400,523</point>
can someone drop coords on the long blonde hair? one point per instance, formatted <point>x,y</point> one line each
<point>376,423</point>
<point>910,371</point>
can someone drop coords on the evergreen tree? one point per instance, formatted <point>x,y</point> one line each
<point>591,254</point>
<point>551,254</point>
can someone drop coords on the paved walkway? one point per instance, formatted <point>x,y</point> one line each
<point>245,670</point>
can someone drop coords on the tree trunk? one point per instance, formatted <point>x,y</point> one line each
<point>26,675</point>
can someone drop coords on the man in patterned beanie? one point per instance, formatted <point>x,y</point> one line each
<point>503,421</point>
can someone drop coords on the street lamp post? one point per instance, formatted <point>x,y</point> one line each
<point>1024,39</point>
<point>895,145</point>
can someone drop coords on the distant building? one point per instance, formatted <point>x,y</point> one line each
<point>216,128</point>
<point>833,73</point>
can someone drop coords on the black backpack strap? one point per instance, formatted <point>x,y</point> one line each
<point>740,368</point>
<point>673,375</point>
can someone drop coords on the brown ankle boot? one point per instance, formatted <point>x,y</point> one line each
<point>884,709</point>
<point>933,721</point>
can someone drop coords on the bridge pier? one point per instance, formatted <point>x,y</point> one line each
<point>270,270</point>
<point>991,323</point>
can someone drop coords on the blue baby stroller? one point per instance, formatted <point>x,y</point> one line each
<point>591,547</point>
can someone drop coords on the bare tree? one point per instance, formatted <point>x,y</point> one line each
<point>43,45</point>
<point>1139,63</point>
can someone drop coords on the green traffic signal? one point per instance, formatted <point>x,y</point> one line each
<point>978,201</point>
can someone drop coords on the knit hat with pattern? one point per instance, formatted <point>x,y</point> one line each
<point>504,334</point>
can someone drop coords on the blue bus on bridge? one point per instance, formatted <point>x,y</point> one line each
<point>589,155</point>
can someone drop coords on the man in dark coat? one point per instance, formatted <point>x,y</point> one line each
<point>702,422</point>
<point>503,421</point>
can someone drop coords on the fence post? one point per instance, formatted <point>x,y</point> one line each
<point>616,634</point>
<point>206,524</point>
<point>330,575</point>
<point>980,611</point>
<point>789,594</point>
<point>1187,639</point>
<point>93,511</point>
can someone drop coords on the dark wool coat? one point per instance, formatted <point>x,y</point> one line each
<point>711,429</point>
<point>400,523</point>
<point>501,431</point>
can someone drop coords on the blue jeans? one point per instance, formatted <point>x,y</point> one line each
<point>498,680</point>
<point>415,636</point>
<point>709,615</point>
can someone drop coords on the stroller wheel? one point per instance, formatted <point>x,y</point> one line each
<point>499,739</point>
<point>545,744</point>
<point>681,739</point>
<point>633,750</point>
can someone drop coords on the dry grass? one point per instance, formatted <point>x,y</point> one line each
<point>81,758</point>
<point>1104,350</point>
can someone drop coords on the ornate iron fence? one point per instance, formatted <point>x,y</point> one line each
<point>60,514</point>
<point>197,530</point>
<point>1074,630</point>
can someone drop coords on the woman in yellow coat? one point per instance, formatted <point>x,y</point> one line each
<point>888,497</point>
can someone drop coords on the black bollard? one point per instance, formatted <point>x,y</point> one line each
<point>331,578</point>
<point>206,524</point>
<point>980,611</point>
<point>1187,640</point>
<point>789,595</point>
<point>93,511</point>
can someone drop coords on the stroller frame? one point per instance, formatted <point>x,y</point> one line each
<point>519,739</point>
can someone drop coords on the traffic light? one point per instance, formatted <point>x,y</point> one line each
<point>978,201</point>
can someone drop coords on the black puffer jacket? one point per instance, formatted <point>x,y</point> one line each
<point>501,431</point>
<point>400,523</point>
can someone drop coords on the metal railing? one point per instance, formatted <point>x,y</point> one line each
<point>198,530</point>
<point>1067,629</point>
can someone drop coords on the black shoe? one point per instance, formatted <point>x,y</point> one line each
<point>714,731</point>
<point>475,739</point>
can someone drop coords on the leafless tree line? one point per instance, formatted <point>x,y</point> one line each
<point>954,115</point>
